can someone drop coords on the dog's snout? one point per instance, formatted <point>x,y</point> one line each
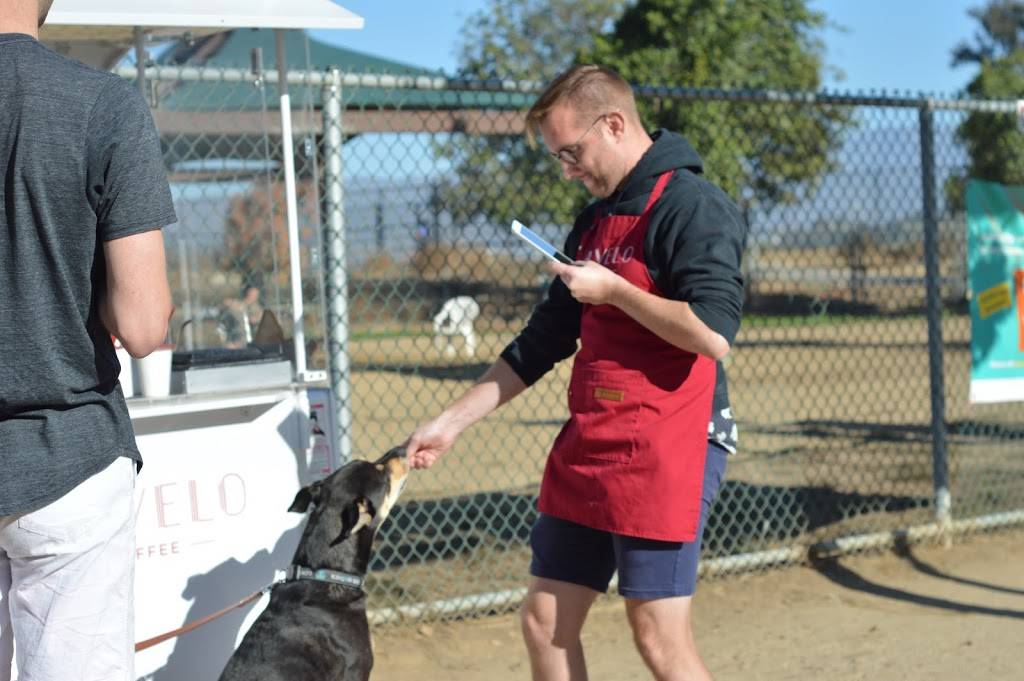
<point>396,465</point>
<point>399,466</point>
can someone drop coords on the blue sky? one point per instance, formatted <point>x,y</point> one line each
<point>896,45</point>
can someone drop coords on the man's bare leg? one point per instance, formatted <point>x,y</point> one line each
<point>663,634</point>
<point>552,619</point>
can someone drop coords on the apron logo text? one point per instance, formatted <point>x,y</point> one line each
<point>615,255</point>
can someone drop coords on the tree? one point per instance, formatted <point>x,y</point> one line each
<point>531,39</point>
<point>1000,35</point>
<point>498,176</point>
<point>256,235</point>
<point>756,152</point>
<point>994,143</point>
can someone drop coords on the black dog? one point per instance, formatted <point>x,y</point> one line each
<point>315,625</point>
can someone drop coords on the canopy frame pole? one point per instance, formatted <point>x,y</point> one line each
<point>291,207</point>
<point>140,58</point>
<point>336,267</point>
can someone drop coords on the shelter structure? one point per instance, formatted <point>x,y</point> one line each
<point>97,30</point>
<point>398,104</point>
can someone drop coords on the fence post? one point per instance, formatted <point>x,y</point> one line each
<point>940,463</point>
<point>335,268</point>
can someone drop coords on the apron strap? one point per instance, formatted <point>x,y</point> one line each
<point>659,188</point>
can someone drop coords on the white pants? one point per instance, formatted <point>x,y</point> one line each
<point>66,578</point>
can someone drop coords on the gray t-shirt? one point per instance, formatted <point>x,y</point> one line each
<point>80,164</point>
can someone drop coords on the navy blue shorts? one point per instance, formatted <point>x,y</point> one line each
<point>648,568</point>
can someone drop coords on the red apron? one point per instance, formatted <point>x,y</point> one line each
<point>630,459</point>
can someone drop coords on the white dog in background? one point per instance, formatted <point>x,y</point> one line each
<point>456,319</point>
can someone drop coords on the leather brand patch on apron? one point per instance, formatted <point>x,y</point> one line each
<point>609,394</point>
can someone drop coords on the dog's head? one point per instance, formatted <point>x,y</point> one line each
<point>358,495</point>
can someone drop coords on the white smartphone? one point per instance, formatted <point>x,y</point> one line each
<point>537,241</point>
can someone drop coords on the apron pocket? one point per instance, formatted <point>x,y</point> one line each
<point>606,406</point>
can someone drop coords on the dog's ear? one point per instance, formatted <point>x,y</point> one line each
<point>307,495</point>
<point>355,516</point>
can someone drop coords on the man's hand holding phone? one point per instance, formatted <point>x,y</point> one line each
<point>589,282</point>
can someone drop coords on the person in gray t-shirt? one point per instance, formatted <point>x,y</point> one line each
<point>83,195</point>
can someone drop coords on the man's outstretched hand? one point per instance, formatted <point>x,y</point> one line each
<point>428,443</point>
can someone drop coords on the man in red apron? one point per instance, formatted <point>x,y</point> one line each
<point>654,301</point>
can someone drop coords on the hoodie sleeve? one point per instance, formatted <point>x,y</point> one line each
<point>696,246</point>
<point>551,333</point>
<point>549,337</point>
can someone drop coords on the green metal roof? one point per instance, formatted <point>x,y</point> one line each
<point>234,50</point>
<point>237,45</point>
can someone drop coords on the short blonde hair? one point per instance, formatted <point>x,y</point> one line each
<point>590,89</point>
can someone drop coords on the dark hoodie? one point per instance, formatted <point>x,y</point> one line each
<point>693,248</point>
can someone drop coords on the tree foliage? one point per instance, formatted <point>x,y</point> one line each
<point>498,176</point>
<point>999,33</point>
<point>256,233</point>
<point>994,143</point>
<point>531,39</point>
<point>758,153</point>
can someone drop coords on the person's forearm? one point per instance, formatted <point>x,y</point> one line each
<point>671,320</point>
<point>136,303</point>
<point>496,387</point>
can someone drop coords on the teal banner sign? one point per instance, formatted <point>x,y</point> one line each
<point>995,271</point>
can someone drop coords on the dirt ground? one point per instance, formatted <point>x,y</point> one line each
<point>923,613</point>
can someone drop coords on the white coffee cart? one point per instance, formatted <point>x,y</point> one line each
<point>221,468</point>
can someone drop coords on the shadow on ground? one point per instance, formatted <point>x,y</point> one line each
<point>834,570</point>
<point>745,517</point>
<point>906,552</point>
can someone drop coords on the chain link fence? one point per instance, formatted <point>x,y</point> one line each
<point>849,378</point>
<point>228,254</point>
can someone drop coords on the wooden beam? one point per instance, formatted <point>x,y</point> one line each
<point>468,121</point>
<point>233,123</point>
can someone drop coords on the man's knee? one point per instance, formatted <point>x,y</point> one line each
<point>540,622</point>
<point>662,632</point>
<point>652,642</point>
<point>538,630</point>
<point>543,628</point>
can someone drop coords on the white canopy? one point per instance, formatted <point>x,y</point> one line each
<point>99,32</point>
<point>114,20</point>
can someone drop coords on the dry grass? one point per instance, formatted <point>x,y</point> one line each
<point>847,405</point>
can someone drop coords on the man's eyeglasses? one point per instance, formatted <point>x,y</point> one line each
<point>570,154</point>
